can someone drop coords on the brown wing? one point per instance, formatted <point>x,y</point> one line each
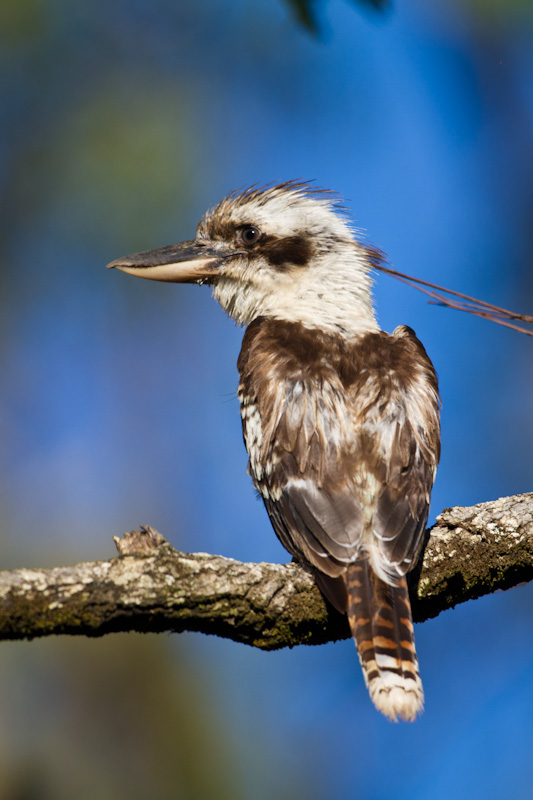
<point>342,460</point>
<point>401,449</point>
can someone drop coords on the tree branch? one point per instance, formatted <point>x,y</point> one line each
<point>152,587</point>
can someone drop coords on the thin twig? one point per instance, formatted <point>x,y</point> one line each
<point>479,308</point>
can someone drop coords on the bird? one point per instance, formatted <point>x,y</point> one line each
<point>340,419</point>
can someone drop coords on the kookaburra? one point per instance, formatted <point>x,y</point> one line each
<point>340,419</point>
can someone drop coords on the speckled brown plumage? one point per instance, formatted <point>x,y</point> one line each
<point>343,437</point>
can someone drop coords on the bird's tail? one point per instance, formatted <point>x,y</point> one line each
<point>381,624</point>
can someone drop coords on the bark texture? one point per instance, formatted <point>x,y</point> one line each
<point>152,587</point>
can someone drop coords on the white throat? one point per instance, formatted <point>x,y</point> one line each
<point>333,292</point>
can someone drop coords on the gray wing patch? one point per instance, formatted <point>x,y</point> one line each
<point>335,522</point>
<point>315,527</point>
<point>399,534</point>
<point>402,504</point>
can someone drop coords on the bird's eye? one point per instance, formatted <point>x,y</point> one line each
<point>249,234</point>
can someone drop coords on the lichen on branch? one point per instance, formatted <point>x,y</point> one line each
<point>150,586</point>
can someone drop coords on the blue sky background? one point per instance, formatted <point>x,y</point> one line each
<point>120,124</point>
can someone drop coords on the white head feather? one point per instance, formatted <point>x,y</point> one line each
<point>331,291</point>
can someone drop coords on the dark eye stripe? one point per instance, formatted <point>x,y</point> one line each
<point>290,251</point>
<point>281,252</point>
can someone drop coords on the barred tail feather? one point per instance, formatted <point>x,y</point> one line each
<point>381,624</point>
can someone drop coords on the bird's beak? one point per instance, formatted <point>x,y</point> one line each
<point>186,262</point>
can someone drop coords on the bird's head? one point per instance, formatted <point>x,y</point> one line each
<point>285,252</point>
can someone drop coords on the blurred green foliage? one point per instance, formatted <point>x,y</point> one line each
<point>121,717</point>
<point>500,10</point>
<point>21,21</point>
